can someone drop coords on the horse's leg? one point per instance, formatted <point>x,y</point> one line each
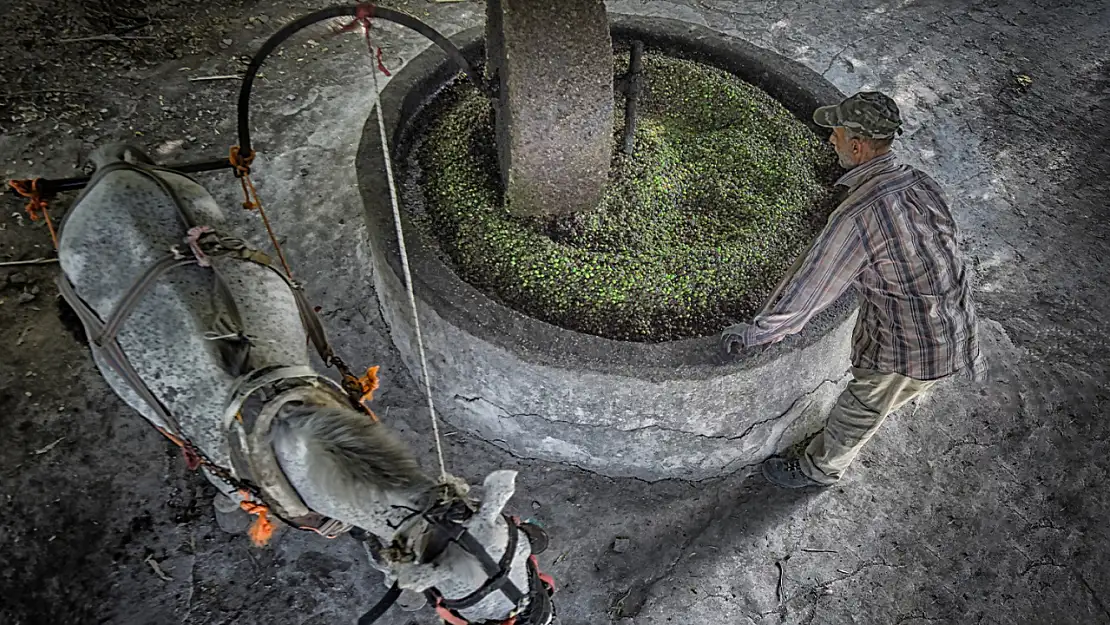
<point>229,516</point>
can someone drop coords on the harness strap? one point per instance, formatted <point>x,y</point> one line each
<point>113,355</point>
<point>382,606</point>
<point>135,292</point>
<point>247,384</point>
<point>322,525</point>
<point>540,609</point>
<point>497,572</point>
<point>537,537</point>
<point>261,463</point>
<point>499,576</point>
<point>263,468</point>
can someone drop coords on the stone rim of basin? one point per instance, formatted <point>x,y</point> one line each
<point>464,306</point>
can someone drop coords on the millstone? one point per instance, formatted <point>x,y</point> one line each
<point>555,106</point>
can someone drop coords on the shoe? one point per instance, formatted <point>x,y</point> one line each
<point>787,473</point>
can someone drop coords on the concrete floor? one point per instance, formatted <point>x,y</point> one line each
<point>977,504</point>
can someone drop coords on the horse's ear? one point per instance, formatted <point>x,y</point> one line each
<point>497,490</point>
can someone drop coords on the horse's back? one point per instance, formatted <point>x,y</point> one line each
<point>117,230</point>
<point>122,224</point>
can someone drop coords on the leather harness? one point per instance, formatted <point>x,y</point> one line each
<point>280,496</point>
<point>257,472</point>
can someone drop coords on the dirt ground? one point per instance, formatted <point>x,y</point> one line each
<point>978,504</point>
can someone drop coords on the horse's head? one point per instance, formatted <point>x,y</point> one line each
<point>464,583</point>
<point>352,469</point>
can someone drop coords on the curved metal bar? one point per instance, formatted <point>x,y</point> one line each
<point>50,187</point>
<point>354,11</point>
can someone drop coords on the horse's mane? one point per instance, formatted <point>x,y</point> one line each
<point>348,451</point>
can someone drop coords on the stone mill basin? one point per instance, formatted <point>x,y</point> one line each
<point>675,409</point>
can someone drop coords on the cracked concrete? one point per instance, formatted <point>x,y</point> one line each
<point>826,387</point>
<point>963,491</point>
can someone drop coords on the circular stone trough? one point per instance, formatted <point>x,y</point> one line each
<point>652,411</point>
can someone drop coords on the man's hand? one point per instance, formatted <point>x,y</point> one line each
<point>732,341</point>
<point>732,338</point>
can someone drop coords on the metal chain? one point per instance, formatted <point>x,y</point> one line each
<point>222,473</point>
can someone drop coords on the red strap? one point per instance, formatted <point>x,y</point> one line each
<point>544,577</point>
<point>364,13</point>
<point>192,460</point>
<point>449,617</point>
<point>381,64</point>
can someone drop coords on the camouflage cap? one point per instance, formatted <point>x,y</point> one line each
<point>867,113</point>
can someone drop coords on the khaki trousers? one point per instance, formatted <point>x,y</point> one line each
<point>854,419</point>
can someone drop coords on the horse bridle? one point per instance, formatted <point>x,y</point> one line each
<point>446,523</point>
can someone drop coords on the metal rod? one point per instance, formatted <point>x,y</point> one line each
<point>632,99</point>
<point>58,185</point>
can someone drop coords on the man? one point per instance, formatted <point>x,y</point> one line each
<point>893,239</point>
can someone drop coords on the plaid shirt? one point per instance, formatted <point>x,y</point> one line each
<point>894,239</point>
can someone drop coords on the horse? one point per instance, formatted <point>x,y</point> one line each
<point>207,339</point>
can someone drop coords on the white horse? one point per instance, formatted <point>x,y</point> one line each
<point>206,340</point>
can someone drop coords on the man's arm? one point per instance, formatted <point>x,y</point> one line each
<point>825,272</point>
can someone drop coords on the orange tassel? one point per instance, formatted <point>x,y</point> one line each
<point>263,528</point>
<point>367,384</point>
<point>36,206</point>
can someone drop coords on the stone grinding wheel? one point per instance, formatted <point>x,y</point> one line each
<point>552,64</point>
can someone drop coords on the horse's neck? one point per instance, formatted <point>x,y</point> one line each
<point>375,507</point>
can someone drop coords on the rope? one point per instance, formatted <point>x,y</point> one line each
<point>193,241</point>
<point>404,253</point>
<point>36,206</point>
<point>364,13</point>
<point>251,201</point>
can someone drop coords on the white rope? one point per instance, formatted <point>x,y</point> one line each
<point>408,275</point>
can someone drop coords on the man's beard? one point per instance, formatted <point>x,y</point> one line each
<point>845,161</point>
